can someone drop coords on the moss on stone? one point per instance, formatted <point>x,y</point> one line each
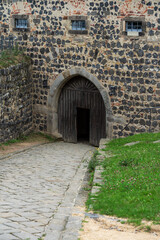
<point>13,57</point>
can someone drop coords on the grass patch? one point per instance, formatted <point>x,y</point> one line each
<point>12,57</point>
<point>48,137</point>
<point>93,162</point>
<point>131,180</point>
<point>9,142</point>
<point>147,228</point>
<point>91,167</point>
<point>32,137</point>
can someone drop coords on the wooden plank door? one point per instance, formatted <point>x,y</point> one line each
<point>81,93</point>
<point>97,119</point>
<point>67,119</point>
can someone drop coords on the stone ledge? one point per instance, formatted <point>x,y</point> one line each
<point>98,170</point>
<point>10,69</point>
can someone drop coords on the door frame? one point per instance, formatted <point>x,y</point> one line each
<point>54,93</point>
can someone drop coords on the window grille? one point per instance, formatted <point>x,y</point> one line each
<point>21,23</point>
<point>78,25</point>
<point>133,26</point>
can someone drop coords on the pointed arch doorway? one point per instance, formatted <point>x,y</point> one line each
<point>81,112</point>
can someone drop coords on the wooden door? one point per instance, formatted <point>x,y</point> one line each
<point>81,93</point>
<point>97,119</point>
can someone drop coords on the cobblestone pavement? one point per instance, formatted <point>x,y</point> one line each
<point>38,189</point>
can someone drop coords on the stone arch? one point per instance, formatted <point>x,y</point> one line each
<point>55,90</point>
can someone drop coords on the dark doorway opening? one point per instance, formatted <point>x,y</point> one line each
<point>81,112</point>
<point>83,124</point>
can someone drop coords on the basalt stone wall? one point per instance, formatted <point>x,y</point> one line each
<point>127,66</point>
<point>15,101</point>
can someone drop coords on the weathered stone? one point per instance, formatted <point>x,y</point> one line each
<point>38,196</point>
<point>16,102</point>
<point>130,63</point>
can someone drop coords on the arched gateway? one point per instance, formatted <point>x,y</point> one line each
<point>78,108</point>
<point>81,112</point>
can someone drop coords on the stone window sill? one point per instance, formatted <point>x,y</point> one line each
<point>21,29</point>
<point>141,34</point>
<point>78,32</point>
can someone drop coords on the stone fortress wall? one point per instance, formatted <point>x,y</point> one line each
<point>15,102</point>
<point>128,67</point>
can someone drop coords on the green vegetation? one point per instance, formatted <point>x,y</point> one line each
<point>147,228</point>
<point>32,137</point>
<point>9,142</point>
<point>93,163</point>
<point>12,57</point>
<point>131,180</point>
<point>91,167</point>
<point>38,135</point>
<point>46,136</point>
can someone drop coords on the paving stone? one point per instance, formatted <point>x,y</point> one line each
<point>18,219</point>
<point>8,237</point>
<point>132,143</point>
<point>38,189</point>
<point>158,141</point>
<point>91,215</point>
<point>25,235</point>
<point>70,236</point>
<point>54,235</point>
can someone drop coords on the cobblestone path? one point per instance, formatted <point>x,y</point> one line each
<point>38,188</point>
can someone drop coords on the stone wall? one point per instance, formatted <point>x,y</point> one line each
<point>15,101</point>
<point>127,67</point>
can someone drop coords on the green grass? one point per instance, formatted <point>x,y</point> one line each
<point>12,57</point>
<point>32,137</point>
<point>131,180</point>
<point>48,137</point>
<point>91,167</point>
<point>93,162</point>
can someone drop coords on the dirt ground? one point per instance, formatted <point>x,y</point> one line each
<point>109,228</point>
<point>31,141</point>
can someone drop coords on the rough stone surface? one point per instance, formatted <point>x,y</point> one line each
<point>126,66</point>
<point>97,180</point>
<point>132,143</point>
<point>38,190</point>
<point>15,101</point>
<point>158,141</point>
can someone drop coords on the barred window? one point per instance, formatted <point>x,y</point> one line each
<point>78,25</point>
<point>133,26</point>
<point>21,23</point>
